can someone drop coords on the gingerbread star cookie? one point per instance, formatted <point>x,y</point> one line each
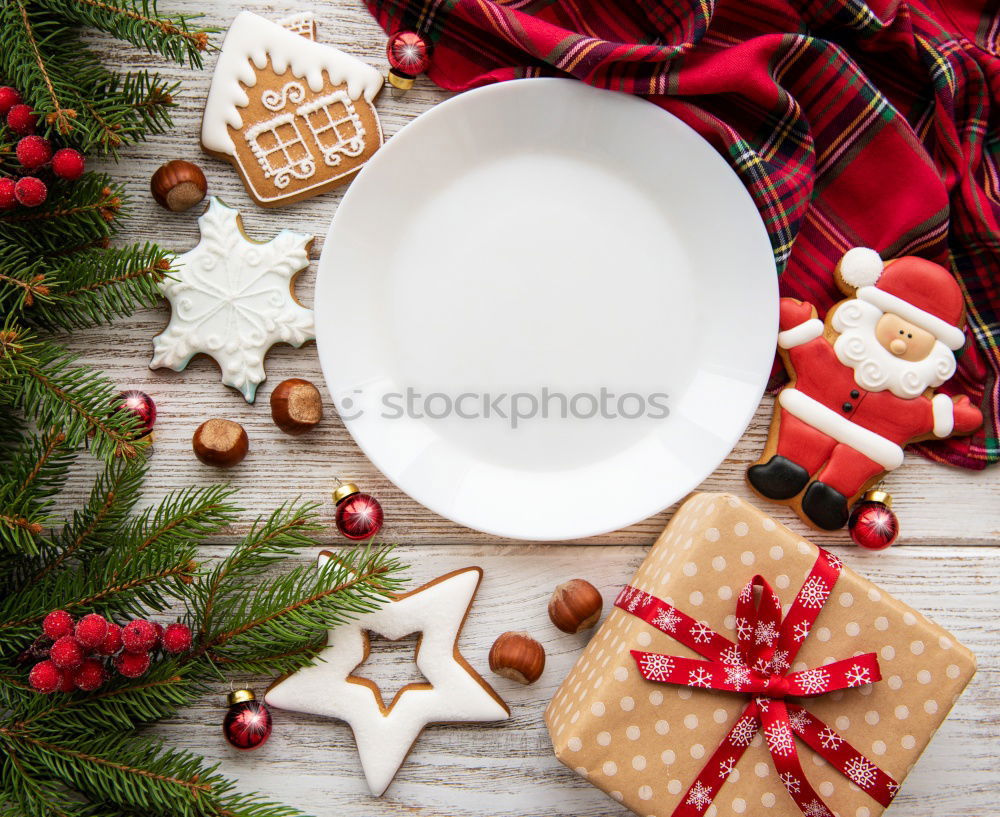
<point>384,734</point>
<point>231,299</point>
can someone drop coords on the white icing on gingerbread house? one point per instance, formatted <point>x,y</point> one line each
<point>293,115</point>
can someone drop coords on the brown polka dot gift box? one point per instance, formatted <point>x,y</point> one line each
<point>746,671</point>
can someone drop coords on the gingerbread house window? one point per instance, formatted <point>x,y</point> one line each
<point>335,126</point>
<point>278,146</point>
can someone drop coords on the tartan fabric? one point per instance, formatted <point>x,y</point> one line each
<point>850,124</point>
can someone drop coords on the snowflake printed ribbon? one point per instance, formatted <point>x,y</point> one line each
<point>758,665</point>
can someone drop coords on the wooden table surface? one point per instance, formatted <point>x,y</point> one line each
<point>945,564</point>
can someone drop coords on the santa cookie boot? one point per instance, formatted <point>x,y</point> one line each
<point>862,384</point>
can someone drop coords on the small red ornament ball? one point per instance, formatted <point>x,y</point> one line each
<point>407,53</point>
<point>45,677</point>
<point>9,97</point>
<point>33,151</point>
<point>139,636</point>
<point>90,675</point>
<point>112,641</point>
<point>248,721</point>
<point>873,525</point>
<point>142,406</point>
<point>66,653</point>
<point>57,624</point>
<point>359,516</point>
<point>30,191</point>
<point>90,631</point>
<point>8,200</point>
<point>68,164</point>
<point>21,120</point>
<point>132,664</point>
<point>176,638</point>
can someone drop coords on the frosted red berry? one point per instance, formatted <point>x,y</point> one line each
<point>44,677</point>
<point>176,638</point>
<point>90,630</point>
<point>57,624</point>
<point>9,97</point>
<point>30,191</point>
<point>132,664</point>
<point>139,636</point>
<point>66,653</point>
<point>68,164</point>
<point>90,675</point>
<point>21,120</point>
<point>7,198</point>
<point>112,641</point>
<point>158,629</point>
<point>33,151</point>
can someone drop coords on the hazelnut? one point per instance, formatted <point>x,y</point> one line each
<point>220,442</point>
<point>296,406</point>
<point>575,606</point>
<point>517,656</point>
<point>178,185</point>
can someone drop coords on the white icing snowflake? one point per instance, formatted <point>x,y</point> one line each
<point>738,675</point>
<point>858,676</point>
<point>701,632</point>
<point>799,720</point>
<point>700,677</point>
<point>726,767</point>
<point>766,633</point>
<point>791,783</point>
<point>779,662</point>
<point>862,771</point>
<point>814,593</point>
<point>743,732</point>
<point>657,667</point>
<point>813,681</point>
<point>731,655</point>
<point>743,628</point>
<point>830,739</point>
<point>801,631</point>
<point>667,620</point>
<point>815,808</point>
<point>700,796</point>
<point>779,739</point>
<point>231,298</point>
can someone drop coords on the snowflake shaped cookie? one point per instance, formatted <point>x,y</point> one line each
<point>231,299</point>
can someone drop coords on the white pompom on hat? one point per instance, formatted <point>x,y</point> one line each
<point>861,267</point>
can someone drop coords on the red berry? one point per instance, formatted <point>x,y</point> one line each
<point>132,664</point>
<point>45,677</point>
<point>176,638</point>
<point>66,653</point>
<point>21,120</point>
<point>68,164</point>
<point>112,640</point>
<point>139,636</point>
<point>158,629</point>
<point>30,191</point>
<point>33,151</point>
<point>66,680</point>
<point>9,97</point>
<point>90,631</point>
<point>57,624</point>
<point>7,198</point>
<point>91,675</point>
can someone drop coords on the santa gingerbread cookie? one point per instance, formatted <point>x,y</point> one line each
<point>292,115</point>
<point>862,384</point>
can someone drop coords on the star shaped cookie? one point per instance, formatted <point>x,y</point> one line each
<point>231,299</point>
<point>384,734</point>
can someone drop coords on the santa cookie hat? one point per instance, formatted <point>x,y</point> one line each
<point>918,290</point>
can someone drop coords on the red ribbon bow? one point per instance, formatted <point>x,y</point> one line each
<point>758,665</point>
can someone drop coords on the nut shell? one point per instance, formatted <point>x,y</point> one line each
<point>178,185</point>
<point>222,443</point>
<point>296,406</point>
<point>517,657</point>
<point>575,606</point>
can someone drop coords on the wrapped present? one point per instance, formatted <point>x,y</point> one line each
<point>746,669</point>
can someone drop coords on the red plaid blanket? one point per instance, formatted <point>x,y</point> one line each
<point>850,124</point>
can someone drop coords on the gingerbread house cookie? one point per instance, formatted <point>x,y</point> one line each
<point>292,115</point>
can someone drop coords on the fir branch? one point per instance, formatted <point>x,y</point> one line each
<point>61,116</point>
<point>33,476</point>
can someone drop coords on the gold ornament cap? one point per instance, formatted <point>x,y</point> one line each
<point>399,81</point>
<point>343,491</point>
<point>239,696</point>
<point>878,495</point>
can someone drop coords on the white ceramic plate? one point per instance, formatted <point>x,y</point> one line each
<point>580,248</point>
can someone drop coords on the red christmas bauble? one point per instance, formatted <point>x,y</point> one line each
<point>873,525</point>
<point>359,516</point>
<point>248,721</point>
<point>408,56</point>
<point>143,407</point>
